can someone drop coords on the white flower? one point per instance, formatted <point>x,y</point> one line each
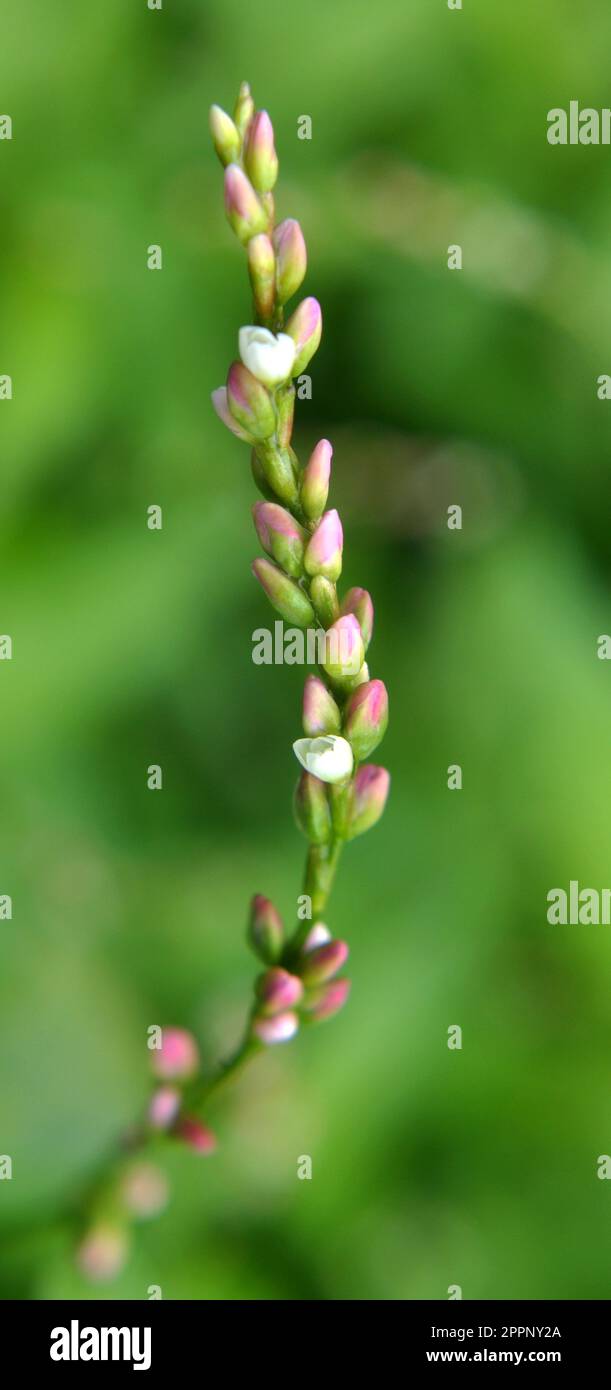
<point>328,757</point>
<point>268,356</point>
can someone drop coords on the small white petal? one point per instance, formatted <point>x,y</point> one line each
<point>328,757</point>
<point>268,356</point>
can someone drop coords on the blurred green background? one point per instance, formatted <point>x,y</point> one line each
<point>431,1167</point>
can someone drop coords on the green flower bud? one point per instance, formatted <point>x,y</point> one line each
<point>250,402</point>
<point>368,795</point>
<point>225,135</point>
<point>324,597</point>
<point>280,535</point>
<point>366,718</point>
<point>262,272</point>
<point>320,712</point>
<point>344,651</point>
<point>284,594</point>
<point>260,158</point>
<point>265,930</point>
<point>244,108</point>
<point>245,212</point>
<point>312,811</point>
<point>291,258</point>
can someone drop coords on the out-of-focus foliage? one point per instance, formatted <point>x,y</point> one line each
<point>431,1167</point>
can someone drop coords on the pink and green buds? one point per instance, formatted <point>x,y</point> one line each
<point>260,158</point>
<point>328,757</point>
<point>358,602</point>
<point>312,810</point>
<point>344,651</point>
<point>291,258</point>
<point>244,108</point>
<point>262,272</point>
<point>278,991</point>
<point>220,403</point>
<point>196,1136</point>
<point>324,552</point>
<point>225,134</point>
<point>305,328</point>
<point>320,712</point>
<point>368,796</point>
<point>281,1028</point>
<point>315,480</point>
<point>327,1000</point>
<point>265,930</point>
<point>250,402</point>
<point>280,535</point>
<point>245,212</point>
<point>366,718</point>
<point>284,594</point>
<point>178,1057</point>
<point>269,356</point>
<point>323,962</point>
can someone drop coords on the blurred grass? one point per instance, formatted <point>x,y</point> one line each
<point>431,1167</point>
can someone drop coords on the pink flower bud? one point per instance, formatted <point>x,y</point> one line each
<point>366,718</point>
<point>177,1058</point>
<point>279,1029</point>
<point>344,650</point>
<point>284,594</point>
<point>358,602</point>
<point>219,401</point>
<point>327,1000</point>
<point>196,1135</point>
<point>315,480</point>
<point>305,328</point>
<point>164,1107</point>
<point>318,935</point>
<point>324,552</point>
<point>291,258</point>
<point>102,1253</point>
<point>246,214</point>
<point>260,156</point>
<point>250,402</point>
<point>320,712</point>
<point>280,535</point>
<point>368,796</point>
<point>265,929</point>
<point>144,1190</point>
<point>323,962</point>
<point>277,990</point>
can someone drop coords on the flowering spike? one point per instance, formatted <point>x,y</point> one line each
<point>268,356</point>
<point>327,1000</point>
<point>305,328</point>
<point>280,535</point>
<point>345,651</point>
<point>368,796</point>
<point>279,1029</point>
<point>312,810</point>
<point>315,480</point>
<point>323,962</point>
<point>245,212</point>
<point>358,602</point>
<point>277,990</point>
<point>324,553</point>
<point>366,718</point>
<point>265,930</point>
<point>320,712</point>
<point>328,757</point>
<point>250,402</point>
<point>225,135</point>
<point>291,258</point>
<point>260,158</point>
<point>284,594</point>
<point>178,1057</point>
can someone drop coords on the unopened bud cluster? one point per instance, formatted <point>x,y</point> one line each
<point>303,989</point>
